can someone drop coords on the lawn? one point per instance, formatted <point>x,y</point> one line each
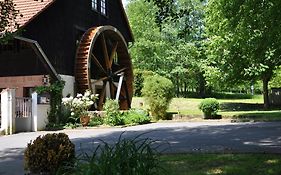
<point>235,109</point>
<point>222,164</point>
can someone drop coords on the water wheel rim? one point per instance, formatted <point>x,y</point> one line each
<point>92,36</point>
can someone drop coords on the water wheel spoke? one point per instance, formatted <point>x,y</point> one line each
<point>101,79</point>
<point>119,71</point>
<point>105,52</point>
<point>105,44</point>
<point>113,52</point>
<point>121,91</point>
<point>101,97</point>
<point>97,63</point>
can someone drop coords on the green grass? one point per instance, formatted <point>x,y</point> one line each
<point>236,109</point>
<point>222,164</point>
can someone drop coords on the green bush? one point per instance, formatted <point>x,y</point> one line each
<point>113,116</point>
<point>47,153</point>
<point>209,107</point>
<point>96,120</point>
<point>136,116</point>
<point>139,76</point>
<point>158,93</point>
<point>126,157</point>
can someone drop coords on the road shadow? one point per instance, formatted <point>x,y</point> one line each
<point>226,107</point>
<point>227,138</point>
<point>210,139</point>
<point>11,161</point>
<point>260,116</point>
<point>230,106</point>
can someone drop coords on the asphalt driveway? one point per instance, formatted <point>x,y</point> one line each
<point>180,137</point>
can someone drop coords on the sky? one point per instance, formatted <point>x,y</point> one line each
<point>125,2</point>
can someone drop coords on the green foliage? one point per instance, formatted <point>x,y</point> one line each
<point>222,163</point>
<point>225,95</point>
<point>112,114</point>
<point>178,43</point>
<point>209,107</point>
<point>96,120</point>
<point>158,93</point>
<point>8,22</point>
<point>55,90</point>
<point>47,153</point>
<point>187,15</point>
<point>127,157</point>
<point>244,40</point>
<point>136,116</point>
<point>139,76</point>
<point>276,79</point>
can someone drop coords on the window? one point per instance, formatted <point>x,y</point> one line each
<point>103,7</point>
<point>94,4</point>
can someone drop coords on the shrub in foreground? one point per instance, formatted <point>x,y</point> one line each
<point>127,157</point>
<point>136,116</point>
<point>113,116</point>
<point>209,107</point>
<point>96,120</point>
<point>47,153</point>
<point>158,93</point>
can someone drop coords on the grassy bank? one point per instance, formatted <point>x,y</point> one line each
<point>236,109</point>
<point>222,164</point>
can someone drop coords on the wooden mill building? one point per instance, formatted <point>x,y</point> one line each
<point>83,42</point>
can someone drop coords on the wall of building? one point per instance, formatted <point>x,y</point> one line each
<point>69,85</point>
<point>20,82</point>
<point>42,116</point>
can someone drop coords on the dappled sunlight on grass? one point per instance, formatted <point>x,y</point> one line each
<point>237,109</point>
<point>215,171</point>
<point>216,164</point>
<point>272,161</point>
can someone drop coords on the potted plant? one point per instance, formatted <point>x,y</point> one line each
<point>209,107</point>
<point>80,105</point>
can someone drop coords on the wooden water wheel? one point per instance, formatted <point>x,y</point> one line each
<point>103,65</point>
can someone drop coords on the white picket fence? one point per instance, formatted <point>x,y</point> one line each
<point>23,107</point>
<point>21,114</point>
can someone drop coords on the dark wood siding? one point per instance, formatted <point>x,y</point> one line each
<point>16,62</point>
<point>57,30</point>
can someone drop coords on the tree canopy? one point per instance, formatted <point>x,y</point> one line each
<point>244,39</point>
<point>8,15</point>
<point>173,49</point>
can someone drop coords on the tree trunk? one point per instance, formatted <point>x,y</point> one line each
<point>185,89</point>
<point>265,93</point>
<point>178,88</point>
<point>202,85</point>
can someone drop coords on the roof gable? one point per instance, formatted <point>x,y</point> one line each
<point>29,9</point>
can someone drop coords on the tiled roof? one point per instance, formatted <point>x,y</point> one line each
<point>29,9</point>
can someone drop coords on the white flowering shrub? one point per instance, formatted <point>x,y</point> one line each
<point>80,104</point>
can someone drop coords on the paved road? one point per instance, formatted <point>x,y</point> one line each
<point>182,137</point>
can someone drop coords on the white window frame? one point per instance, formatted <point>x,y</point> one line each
<point>103,7</point>
<point>94,4</point>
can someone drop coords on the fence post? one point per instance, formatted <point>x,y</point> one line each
<point>34,107</point>
<point>4,115</point>
<point>8,111</point>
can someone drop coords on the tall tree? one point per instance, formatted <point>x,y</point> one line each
<point>172,51</point>
<point>8,15</point>
<point>244,39</point>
